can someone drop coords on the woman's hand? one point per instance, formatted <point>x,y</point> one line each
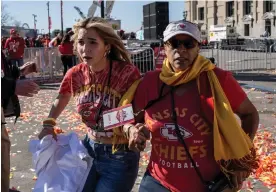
<point>138,135</point>
<point>26,88</point>
<point>238,178</point>
<point>27,68</point>
<point>47,131</point>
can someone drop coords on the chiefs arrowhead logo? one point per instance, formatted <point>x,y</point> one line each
<point>181,26</point>
<point>121,115</point>
<point>168,131</point>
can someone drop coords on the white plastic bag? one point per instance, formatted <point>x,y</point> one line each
<point>62,165</point>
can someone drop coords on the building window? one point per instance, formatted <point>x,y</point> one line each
<point>194,5</point>
<point>229,8</point>
<point>268,25</point>
<point>246,29</point>
<point>248,7</point>
<point>201,13</point>
<point>268,6</point>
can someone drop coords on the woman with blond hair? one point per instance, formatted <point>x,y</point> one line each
<point>98,84</point>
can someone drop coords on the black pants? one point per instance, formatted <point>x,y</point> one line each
<point>67,61</point>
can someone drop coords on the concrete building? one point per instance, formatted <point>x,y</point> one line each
<point>251,18</point>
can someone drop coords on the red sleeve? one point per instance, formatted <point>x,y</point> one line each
<point>131,77</point>
<point>66,84</point>
<point>60,48</point>
<point>22,47</point>
<point>232,89</point>
<point>7,43</point>
<point>148,88</point>
<point>140,98</point>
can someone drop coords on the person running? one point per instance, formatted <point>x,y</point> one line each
<point>98,84</point>
<point>66,51</point>
<point>188,107</point>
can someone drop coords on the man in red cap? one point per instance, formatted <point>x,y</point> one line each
<point>15,46</point>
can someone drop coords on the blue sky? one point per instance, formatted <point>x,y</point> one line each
<point>130,12</point>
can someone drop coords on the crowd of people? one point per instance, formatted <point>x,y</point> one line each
<point>187,110</point>
<point>14,47</point>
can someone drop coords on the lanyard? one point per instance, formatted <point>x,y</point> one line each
<point>97,127</point>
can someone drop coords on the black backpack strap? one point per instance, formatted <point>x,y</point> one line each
<point>181,140</point>
<point>152,102</point>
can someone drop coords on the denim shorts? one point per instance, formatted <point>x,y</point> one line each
<point>111,172</point>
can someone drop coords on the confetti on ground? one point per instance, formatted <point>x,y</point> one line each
<point>36,109</point>
<point>265,144</point>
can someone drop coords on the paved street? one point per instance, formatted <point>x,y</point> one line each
<point>34,110</point>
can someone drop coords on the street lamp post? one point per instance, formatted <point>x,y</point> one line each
<point>49,27</point>
<point>35,21</point>
<point>102,8</point>
<point>61,16</point>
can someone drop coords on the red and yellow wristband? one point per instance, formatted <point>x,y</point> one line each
<point>49,122</point>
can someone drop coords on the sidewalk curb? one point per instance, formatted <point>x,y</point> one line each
<point>259,88</point>
<point>254,77</point>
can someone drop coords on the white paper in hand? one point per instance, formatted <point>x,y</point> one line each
<point>118,116</point>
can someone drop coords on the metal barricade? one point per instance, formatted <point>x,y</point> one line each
<point>143,58</point>
<point>272,56</point>
<point>241,58</point>
<point>47,60</point>
<point>49,64</point>
<point>237,58</point>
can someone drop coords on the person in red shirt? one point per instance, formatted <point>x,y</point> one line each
<point>15,46</point>
<point>56,41</point>
<point>66,51</point>
<point>3,42</point>
<point>178,105</point>
<point>46,40</point>
<point>98,84</point>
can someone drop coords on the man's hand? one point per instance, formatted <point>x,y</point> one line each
<point>27,68</point>
<point>26,88</point>
<point>138,136</point>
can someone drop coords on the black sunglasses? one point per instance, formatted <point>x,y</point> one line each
<point>187,43</point>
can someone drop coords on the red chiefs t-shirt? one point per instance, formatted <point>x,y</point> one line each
<point>66,48</point>
<point>15,46</point>
<point>169,163</point>
<point>90,88</point>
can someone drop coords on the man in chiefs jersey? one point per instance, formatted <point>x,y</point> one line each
<point>15,46</point>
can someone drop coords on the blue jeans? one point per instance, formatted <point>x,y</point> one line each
<point>17,62</point>
<point>111,172</point>
<point>150,184</point>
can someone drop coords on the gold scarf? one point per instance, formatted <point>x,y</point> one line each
<point>232,146</point>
